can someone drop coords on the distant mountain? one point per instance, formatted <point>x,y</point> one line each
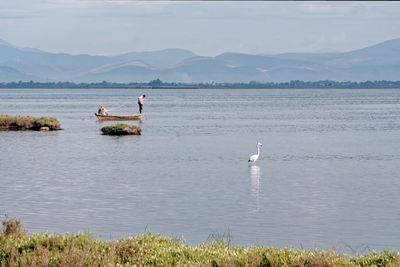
<point>162,59</point>
<point>8,74</point>
<point>48,66</point>
<point>377,62</point>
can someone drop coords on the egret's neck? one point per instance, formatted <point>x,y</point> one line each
<point>258,150</point>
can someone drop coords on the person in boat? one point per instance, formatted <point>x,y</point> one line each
<point>102,111</point>
<point>141,103</point>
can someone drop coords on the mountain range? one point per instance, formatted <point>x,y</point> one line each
<point>377,62</point>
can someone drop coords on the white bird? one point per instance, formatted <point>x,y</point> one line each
<point>255,156</point>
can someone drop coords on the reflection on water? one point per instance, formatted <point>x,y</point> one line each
<point>255,175</point>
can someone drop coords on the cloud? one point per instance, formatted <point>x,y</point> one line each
<point>18,9</point>
<point>20,15</point>
<point>115,9</point>
<point>207,27</point>
<point>330,8</point>
<point>78,4</point>
<point>349,10</point>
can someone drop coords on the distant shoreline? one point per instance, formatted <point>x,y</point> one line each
<point>158,84</point>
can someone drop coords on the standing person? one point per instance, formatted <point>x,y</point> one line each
<point>141,102</point>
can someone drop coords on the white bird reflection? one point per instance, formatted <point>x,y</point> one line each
<point>255,175</point>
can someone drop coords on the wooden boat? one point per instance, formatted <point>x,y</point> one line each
<point>119,118</point>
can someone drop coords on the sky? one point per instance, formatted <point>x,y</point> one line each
<point>109,27</point>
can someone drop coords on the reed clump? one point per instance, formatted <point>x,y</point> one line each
<point>121,129</point>
<point>17,248</point>
<point>22,123</point>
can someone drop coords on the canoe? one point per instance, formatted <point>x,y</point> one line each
<point>119,118</point>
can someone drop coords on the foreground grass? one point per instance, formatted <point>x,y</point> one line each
<point>17,248</point>
<point>121,129</point>
<point>17,123</point>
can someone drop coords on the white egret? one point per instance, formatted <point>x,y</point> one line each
<point>255,156</point>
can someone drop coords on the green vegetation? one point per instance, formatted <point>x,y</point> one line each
<point>11,122</point>
<point>121,129</point>
<point>17,248</point>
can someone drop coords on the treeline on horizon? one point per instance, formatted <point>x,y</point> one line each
<point>158,84</point>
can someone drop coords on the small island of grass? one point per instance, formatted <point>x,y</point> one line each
<point>121,129</point>
<point>23,123</point>
<point>18,248</point>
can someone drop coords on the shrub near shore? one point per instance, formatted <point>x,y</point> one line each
<point>21,123</point>
<point>121,129</point>
<point>17,248</point>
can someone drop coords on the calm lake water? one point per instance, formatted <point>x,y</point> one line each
<point>328,175</point>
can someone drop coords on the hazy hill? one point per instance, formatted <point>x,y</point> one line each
<point>377,62</point>
<point>167,58</point>
<point>48,66</point>
<point>8,74</point>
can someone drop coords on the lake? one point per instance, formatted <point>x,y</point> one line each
<point>328,175</point>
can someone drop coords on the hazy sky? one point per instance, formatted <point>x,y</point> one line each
<point>207,28</point>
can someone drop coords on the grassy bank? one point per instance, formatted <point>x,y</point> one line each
<point>121,129</point>
<point>17,248</point>
<point>21,123</point>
